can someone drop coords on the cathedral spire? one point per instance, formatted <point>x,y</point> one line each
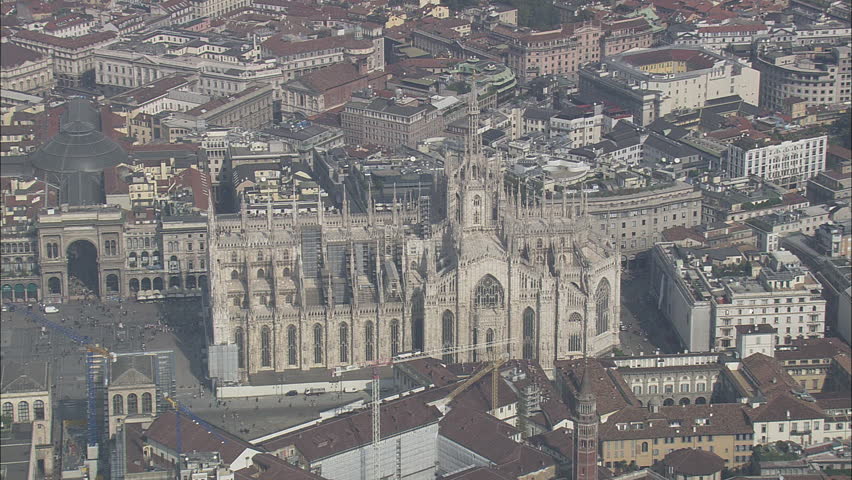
<point>295,203</point>
<point>473,145</point>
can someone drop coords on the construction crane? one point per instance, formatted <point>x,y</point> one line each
<point>180,409</point>
<point>493,367</point>
<point>402,358</point>
<point>92,351</point>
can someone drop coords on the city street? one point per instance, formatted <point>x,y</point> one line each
<point>647,329</point>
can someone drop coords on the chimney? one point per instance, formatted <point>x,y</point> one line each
<point>788,414</point>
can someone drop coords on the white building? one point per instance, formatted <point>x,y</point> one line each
<point>787,419</point>
<point>753,339</point>
<point>789,164</point>
<point>685,77</point>
<point>341,448</point>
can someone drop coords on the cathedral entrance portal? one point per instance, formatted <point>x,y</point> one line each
<point>82,269</point>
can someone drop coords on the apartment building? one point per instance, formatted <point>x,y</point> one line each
<point>250,108</point>
<point>717,37</point>
<point>788,419</point>
<point>809,361</point>
<point>25,397</point>
<point>295,59</point>
<point>627,34</point>
<point>784,295</point>
<point>644,436</point>
<point>72,58</point>
<point>553,52</point>
<point>770,228</point>
<point>831,185</point>
<point>391,122</point>
<point>217,8</point>
<point>789,163</point>
<point>25,70</point>
<point>323,89</point>
<point>685,77</point>
<point>132,64</point>
<point>819,74</point>
<point>636,220</point>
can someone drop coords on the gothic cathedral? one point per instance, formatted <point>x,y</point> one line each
<point>504,266</point>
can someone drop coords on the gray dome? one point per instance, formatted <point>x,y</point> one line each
<point>76,157</point>
<point>79,146</point>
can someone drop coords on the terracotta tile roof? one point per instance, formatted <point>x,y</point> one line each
<point>12,55</point>
<point>839,151</point>
<point>491,438</point>
<point>768,375</point>
<point>269,467</point>
<point>733,29</point>
<point>113,184</point>
<point>479,473</point>
<point>194,437</point>
<point>433,369</point>
<point>690,462</point>
<point>560,440</point>
<point>133,448</point>
<point>833,400</point>
<point>611,392</point>
<point>719,419</point>
<point>344,433</point>
<point>330,77</point>
<point>784,407</point>
<point>695,59</point>
<point>813,348</point>
<point>69,42</point>
<point>678,233</point>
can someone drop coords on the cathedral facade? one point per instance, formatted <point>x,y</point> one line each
<point>321,290</point>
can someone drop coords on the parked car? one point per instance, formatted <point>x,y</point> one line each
<point>51,309</point>
<point>292,393</point>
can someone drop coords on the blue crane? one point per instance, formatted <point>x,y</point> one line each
<point>180,409</point>
<point>92,351</point>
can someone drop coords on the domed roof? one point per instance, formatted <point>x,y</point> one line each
<point>79,146</point>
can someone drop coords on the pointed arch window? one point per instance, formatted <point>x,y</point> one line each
<point>394,329</point>
<point>477,210</point>
<point>489,340</point>
<point>147,404</point>
<point>488,293</point>
<point>132,404</point>
<point>240,341</point>
<point>529,334</point>
<point>368,341</point>
<point>602,307</point>
<point>318,343</point>
<point>117,405</point>
<point>291,345</point>
<point>344,343</point>
<point>448,335</point>
<point>265,348</point>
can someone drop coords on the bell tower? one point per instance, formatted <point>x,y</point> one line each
<point>586,431</point>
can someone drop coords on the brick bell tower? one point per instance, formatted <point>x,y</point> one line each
<point>586,431</point>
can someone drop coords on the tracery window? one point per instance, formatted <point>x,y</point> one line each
<point>265,348</point>
<point>489,293</point>
<point>368,341</point>
<point>291,345</point>
<point>448,335</point>
<point>394,328</point>
<point>317,343</point>
<point>602,307</point>
<point>344,343</point>
<point>477,210</point>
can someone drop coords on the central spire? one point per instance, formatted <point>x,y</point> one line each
<point>473,146</point>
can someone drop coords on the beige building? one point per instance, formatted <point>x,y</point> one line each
<point>250,108</point>
<point>646,435</point>
<point>784,295</point>
<point>72,58</point>
<point>684,77</point>
<point>809,361</point>
<point>379,121</point>
<point>25,399</point>
<point>817,74</point>
<point>131,391</point>
<point>25,70</point>
<point>636,220</point>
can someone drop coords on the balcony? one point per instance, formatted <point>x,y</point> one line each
<point>800,432</point>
